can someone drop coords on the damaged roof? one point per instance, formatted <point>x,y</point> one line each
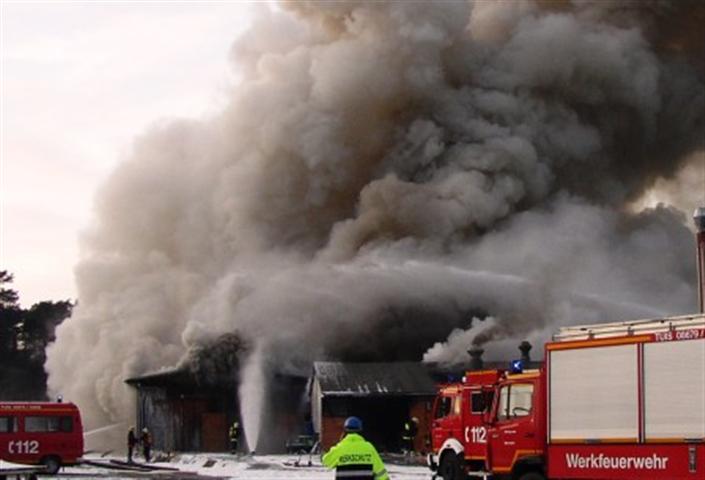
<point>167,377</point>
<point>355,379</point>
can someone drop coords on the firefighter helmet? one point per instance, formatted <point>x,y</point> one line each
<point>352,424</point>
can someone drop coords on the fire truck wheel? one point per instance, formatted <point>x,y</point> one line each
<point>52,464</point>
<point>532,476</point>
<point>449,468</point>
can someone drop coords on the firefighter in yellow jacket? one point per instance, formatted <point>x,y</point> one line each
<point>354,458</point>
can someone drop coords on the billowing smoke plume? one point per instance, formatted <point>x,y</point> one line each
<point>384,173</point>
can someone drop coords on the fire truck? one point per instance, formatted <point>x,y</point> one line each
<point>41,433</point>
<point>616,401</point>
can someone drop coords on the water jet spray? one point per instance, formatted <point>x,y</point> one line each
<point>253,396</point>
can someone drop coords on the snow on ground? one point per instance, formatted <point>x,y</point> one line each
<point>222,466</point>
<point>282,466</point>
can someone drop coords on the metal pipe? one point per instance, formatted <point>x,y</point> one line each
<point>525,347</point>
<point>699,219</point>
<point>476,362</point>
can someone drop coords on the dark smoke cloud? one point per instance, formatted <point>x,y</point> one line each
<point>384,173</point>
<point>215,362</point>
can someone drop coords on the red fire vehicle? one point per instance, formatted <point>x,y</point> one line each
<point>619,401</point>
<point>41,433</point>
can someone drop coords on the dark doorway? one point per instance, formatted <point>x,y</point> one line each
<point>383,419</point>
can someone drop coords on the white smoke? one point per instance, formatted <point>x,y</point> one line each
<point>455,347</point>
<point>685,191</point>
<point>384,172</point>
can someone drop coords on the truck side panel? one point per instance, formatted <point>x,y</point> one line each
<point>674,390</point>
<point>594,394</point>
<point>628,407</point>
<point>627,462</point>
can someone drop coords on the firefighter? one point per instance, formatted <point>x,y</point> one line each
<point>146,444</point>
<point>131,443</point>
<point>353,457</point>
<point>234,435</point>
<point>408,434</point>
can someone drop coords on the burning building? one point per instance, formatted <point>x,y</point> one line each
<point>182,414</point>
<point>383,395</point>
<point>191,407</point>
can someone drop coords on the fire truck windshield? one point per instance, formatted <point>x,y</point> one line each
<point>515,401</point>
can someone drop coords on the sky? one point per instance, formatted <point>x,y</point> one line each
<point>79,81</point>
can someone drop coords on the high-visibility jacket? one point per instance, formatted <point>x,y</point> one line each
<point>354,458</point>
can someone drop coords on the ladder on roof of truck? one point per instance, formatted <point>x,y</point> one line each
<point>630,327</point>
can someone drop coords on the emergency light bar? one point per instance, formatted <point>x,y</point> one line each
<point>517,366</point>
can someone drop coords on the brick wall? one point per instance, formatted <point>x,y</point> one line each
<point>421,409</point>
<point>331,430</point>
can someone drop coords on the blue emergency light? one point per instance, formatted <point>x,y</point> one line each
<point>517,366</point>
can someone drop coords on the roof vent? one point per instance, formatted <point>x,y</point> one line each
<point>476,358</point>
<point>699,219</point>
<point>525,347</point>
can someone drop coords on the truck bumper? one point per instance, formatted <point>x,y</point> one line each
<point>432,462</point>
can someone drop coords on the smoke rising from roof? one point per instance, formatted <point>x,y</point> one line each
<point>385,172</point>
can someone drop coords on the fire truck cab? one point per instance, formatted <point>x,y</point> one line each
<point>618,401</point>
<point>488,423</point>
<point>50,434</point>
<point>458,427</point>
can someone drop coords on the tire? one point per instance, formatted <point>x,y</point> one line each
<point>532,476</point>
<point>449,468</point>
<point>52,464</point>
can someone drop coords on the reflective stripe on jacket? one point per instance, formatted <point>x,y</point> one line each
<point>355,458</point>
<point>406,435</point>
<point>410,430</point>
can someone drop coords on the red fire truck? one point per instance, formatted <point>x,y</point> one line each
<point>41,433</point>
<point>618,401</point>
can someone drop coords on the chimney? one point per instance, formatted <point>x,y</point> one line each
<point>525,347</point>
<point>699,218</point>
<point>476,358</point>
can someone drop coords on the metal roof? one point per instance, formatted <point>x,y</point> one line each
<point>176,377</point>
<point>373,379</point>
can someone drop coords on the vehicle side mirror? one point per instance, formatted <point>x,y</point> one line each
<point>487,417</point>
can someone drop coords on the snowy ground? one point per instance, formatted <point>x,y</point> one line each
<point>265,467</point>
